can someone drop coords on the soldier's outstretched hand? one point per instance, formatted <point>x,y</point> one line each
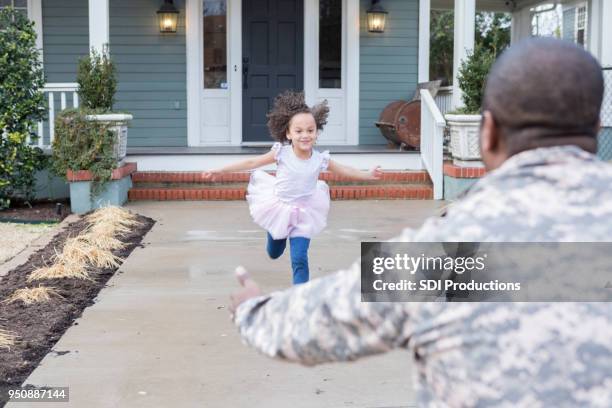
<point>249,290</point>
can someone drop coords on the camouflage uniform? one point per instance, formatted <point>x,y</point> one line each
<point>471,354</point>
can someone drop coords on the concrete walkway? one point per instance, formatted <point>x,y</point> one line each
<point>160,335</point>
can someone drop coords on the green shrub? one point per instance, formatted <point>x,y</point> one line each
<point>82,144</point>
<point>21,106</point>
<point>472,78</point>
<point>97,81</point>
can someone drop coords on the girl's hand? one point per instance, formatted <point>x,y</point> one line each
<point>376,173</point>
<point>211,175</point>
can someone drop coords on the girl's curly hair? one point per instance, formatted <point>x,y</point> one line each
<point>286,106</point>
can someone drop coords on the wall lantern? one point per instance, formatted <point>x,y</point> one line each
<point>377,17</point>
<point>167,15</point>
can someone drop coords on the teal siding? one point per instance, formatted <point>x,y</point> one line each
<point>388,64</point>
<point>151,70</point>
<point>65,37</point>
<point>569,24</point>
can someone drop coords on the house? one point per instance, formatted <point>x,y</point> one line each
<point>199,93</point>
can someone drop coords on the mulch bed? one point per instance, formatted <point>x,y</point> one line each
<point>39,326</point>
<point>40,211</point>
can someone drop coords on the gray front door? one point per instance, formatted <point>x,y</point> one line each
<point>272,59</point>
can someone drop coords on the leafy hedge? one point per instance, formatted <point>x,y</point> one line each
<point>97,81</point>
<point>22,106</point>
<point>472,78</point>
<point>83,144</point>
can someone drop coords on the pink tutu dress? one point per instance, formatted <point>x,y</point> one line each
<point>295,203</point>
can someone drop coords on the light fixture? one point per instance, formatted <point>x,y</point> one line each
<point>167,15</point>
<point>377,17</point>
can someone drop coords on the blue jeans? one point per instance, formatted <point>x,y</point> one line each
<point>299,255</point>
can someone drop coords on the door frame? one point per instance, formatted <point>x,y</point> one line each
<point>195,73</point>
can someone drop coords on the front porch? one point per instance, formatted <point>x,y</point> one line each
<point>174,130</point>
<point>590,32</point>
<point>581,22</point>
<point>197,158</point>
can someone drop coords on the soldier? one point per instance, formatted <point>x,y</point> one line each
<point>544,183</point>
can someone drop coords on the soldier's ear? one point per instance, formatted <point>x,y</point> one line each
<point>489,134</point>
<point>492,146</point>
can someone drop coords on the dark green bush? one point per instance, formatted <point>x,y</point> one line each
<point>82,144</point>
<point>21,106</point>
<point>472,78</point>
<point>97,81</point>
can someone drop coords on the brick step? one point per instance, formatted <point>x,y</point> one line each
<point>375,192</point>
<point>242,184</point>
<point>198,178</point>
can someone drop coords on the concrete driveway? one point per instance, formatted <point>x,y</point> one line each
<point>160,335</point>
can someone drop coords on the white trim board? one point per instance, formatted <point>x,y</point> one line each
<point>99,24</point>
<point>363,161</point>
<point>341,100</point>
<point>192,24</point>
<point>424,39</point>
<point>35,15</point>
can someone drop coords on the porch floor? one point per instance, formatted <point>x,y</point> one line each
<point>250,150</point>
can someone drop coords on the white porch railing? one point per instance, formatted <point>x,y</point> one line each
<point>59,97</point>
<point>444,99</point>
<point>432,140</point>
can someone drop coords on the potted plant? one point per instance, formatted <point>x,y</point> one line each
<point>90,142</point>
<point>465,122</point>
<point>97,87</point>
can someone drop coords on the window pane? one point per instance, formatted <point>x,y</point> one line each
<point>21,3</point>
<point>5,3</point>
<point>580,37</point>
<point>330,43</point>
<point>581,17</point>
<point>215,44</point>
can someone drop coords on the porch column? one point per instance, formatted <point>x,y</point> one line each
<point>424,38</point>
<point>521,25</point>
<point>606,34</point>
<point>98,24</point>
<point>594,27</point>
<point>465,22</point>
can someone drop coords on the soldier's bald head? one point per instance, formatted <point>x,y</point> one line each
<point>545,92</point>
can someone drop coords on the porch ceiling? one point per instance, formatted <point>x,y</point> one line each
<point>494,5</point>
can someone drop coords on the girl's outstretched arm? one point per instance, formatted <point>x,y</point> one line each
<point>347,171</point>
<point>243,165</point>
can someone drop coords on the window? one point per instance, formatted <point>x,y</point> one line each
<point>215,44</point>
<point>19,5</point>
<point>330,44</point>
<point>581,22</point>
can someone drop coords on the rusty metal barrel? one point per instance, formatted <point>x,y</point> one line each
<point>400,123</point>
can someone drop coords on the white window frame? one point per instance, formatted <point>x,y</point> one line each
<point>34,13</point>
<point>18,8</point>
<point>349,91</point>
<point>578,7</point>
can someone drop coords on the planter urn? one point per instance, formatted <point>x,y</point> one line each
<point>119,126</point>
<point>465,139</point>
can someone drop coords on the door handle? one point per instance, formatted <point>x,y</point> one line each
<point>245,72</point>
